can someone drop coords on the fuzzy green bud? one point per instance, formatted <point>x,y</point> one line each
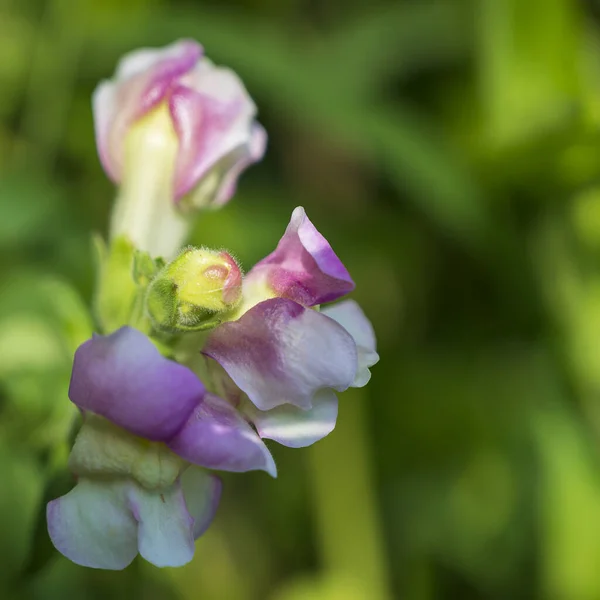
<point>191,291</point>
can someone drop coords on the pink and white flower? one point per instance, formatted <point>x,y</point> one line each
<point>175,132</point>
<point>210,111</point>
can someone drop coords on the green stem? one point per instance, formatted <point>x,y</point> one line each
<point>345,503</point>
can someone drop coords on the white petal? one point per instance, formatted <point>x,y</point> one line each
<point>351,317</point>
<point>165,533</point>
<point>92,525</point>
<point>294,427</point>
<point>202,493</point>
<point>103,524</point>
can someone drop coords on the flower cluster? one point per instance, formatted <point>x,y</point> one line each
<point>225,361</point>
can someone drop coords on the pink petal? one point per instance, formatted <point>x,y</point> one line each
<point>142,80</point>
<point>279,352</point>
<point>213,133</point>
<point>304,267</point>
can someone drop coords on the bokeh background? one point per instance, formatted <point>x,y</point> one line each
<point>450,151</point>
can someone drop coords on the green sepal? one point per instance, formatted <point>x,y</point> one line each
<point>116,288</point>
<point>145,267</point>
<point>199,326</point>
<point>169,315</point>
<point>161,304</point>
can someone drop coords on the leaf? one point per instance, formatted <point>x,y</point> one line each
<point>394,40</point>
<point>116,289</point>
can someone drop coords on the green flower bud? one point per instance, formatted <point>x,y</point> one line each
<point>191,292</point>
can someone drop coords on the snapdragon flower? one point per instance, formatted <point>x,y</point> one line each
<point>268,370</point>
<point>174,132</point>
<point>133,494</point>
<point>276,362</point>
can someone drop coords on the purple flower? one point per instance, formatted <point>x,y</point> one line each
<point>270,372</point>
<point>280,352</point>
<point>279,366</point>
<point>209,110</point>
<point>303,267</point>
<point>278,363</point>
<point>133,493</point>
<point>124,378</point>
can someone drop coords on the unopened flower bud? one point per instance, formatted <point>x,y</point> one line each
<point>190,292</point>
<point>175,132</point>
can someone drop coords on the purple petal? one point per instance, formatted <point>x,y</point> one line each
<point>141,81</point>
<point>279,352</point>
<point>92,525</point>
<point>351,317</point>
<point>294,427</point>
<point>165,527</point>
<point>216,436</point>
<point>124,378</point>
<point>202,493</point>
<point>304,267</point>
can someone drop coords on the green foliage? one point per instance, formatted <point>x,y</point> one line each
<point>449,150</point>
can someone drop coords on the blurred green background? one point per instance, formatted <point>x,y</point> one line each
<point>450,152</point>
